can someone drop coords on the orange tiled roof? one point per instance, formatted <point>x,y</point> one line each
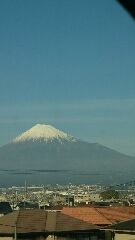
<point>87,214</point>
<point>117,214</point>
<point>100,216</point>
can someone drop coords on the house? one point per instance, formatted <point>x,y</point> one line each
<point>5,208</point>
<point>38,224</point>
<point>101,216</point>
<point>68,224</point>
<point>26,205</point>
<point>124,230</point>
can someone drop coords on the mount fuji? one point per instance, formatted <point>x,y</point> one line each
<point>45,133</point>
<point>45,149</point>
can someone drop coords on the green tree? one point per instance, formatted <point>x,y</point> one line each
<point>109,194</point>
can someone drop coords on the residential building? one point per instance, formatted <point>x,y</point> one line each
<point>124,230</point>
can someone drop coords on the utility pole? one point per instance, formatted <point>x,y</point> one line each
<point>25,194</point>
<point>88,189</point>
<point>68,196</point>
<point>44,196</point>
<point>15,232</point>
<point>13,197</point>
<point>16,197</point>
<point>25,190</point>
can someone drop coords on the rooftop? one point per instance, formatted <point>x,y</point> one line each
<point>39,221</point>
<point>102,215</point>
<point>128,225</point>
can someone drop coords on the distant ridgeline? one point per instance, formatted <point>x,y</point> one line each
<point>46,154</point>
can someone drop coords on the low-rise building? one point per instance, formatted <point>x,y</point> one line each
<point>124,230</point>
<point>37,224</point>
<point>101,216</point>
<point>5,208</point>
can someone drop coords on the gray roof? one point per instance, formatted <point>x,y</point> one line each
<point>5,208</point>
<point>128,225</point>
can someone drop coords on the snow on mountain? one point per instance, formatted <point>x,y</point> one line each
<point>42,132</point>
<point>45,149</point>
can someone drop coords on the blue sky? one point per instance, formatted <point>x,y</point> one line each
<point>69,63</point>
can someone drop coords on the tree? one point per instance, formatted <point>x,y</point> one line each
<point>109,194</point>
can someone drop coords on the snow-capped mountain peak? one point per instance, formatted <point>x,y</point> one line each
<point>45,133</point>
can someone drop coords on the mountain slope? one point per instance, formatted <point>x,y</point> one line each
<point>44,147</point>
